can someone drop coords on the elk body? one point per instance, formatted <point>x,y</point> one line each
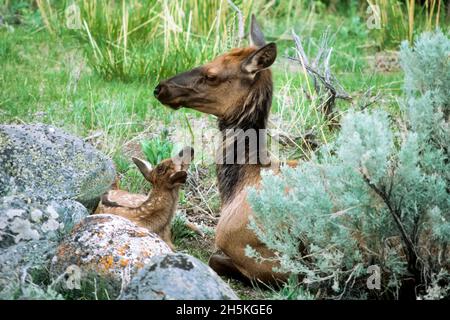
<point>237,88</point>
<point>155,211</point>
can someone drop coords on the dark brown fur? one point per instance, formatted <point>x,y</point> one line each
<point>253,115</point>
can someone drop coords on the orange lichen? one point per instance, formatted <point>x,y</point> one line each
<point>141,234</point>
<point>124,262</point>
<point>123,250</point>
<point>62,250</point>
<point>106,262</point>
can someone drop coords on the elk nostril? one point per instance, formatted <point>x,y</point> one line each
<point>157,90</point>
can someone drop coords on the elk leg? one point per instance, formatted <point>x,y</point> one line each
<point>170,244</point>
<point>223,266</point>
<point>166,236</point>
<point>194,228</point>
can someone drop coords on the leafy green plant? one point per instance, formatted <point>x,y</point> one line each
<point>157,149</point>
<point>291,291</point>
<point>130,177</point>
<point>180,230</point>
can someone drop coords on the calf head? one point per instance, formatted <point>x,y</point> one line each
<point>169,173</point>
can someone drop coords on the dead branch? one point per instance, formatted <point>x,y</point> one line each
<point>320,72</point>
<point>414,262</point>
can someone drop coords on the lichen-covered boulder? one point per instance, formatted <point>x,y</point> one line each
<point>177,277</point>
<point>109,248</point>
<point>24,218</point>
<point>30,229</point>
<point>19,261</point>
<point>46,162</point>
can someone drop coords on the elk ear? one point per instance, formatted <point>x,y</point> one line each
<point>184,157</point>
<point>143,166</point>
<point>256,35</point>
<point>178,178</point>
<point>260,59</point>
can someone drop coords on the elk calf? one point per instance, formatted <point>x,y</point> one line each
<point>154,212</point>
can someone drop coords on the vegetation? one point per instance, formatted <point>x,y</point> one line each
<point>157,149</point>
<point>94,77</point>
<point>377,197</point>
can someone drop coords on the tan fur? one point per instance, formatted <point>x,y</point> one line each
<point>155,211</point>
<point>233,234</point>
<point>125,199</point>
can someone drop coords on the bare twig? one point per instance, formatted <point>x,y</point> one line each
<point>95,135</point>
<point>320,71</point>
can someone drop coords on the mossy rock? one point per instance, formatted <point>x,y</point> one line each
<point>108,249</point>
<point>24,218</point>
<point>19,262</point>
<point>49,163</point>
<point>177,277</point>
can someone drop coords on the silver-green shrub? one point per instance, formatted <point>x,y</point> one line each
<point>379,196</point>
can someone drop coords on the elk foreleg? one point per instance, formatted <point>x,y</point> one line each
<point>224,266</point>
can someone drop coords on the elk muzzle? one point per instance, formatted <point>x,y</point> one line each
<point>167,95</point>
<point>180,90</point>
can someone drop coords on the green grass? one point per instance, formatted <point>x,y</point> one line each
<point>179,229</point>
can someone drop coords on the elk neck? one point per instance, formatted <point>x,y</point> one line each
<point>252,113</point>
<point>160,204</point>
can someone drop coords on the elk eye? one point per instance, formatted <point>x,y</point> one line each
<point>160,170</point>
<point>211,77</point>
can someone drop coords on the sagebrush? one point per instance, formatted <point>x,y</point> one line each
<point>379,196</point>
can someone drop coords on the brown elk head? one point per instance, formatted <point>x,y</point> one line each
<point>222,86</point>
<point>169,173</point>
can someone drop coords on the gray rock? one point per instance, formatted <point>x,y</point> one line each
<point>23,219</point>
<point>177,276</point>
<point>109,248</point>
<point>18,261</point>
<point>30,229</point>
<point>46,162</point>
<point>25,256</point>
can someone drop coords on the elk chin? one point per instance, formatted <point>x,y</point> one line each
<point>174,106</point>
<point>205,107</point>
<point>211,111</point>
<point>171,103</point>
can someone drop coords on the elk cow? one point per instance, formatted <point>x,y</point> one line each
<point>237,88</point>
<point>154,212</point>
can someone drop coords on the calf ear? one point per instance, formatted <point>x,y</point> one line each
<point>256,35</point>
<point>143,166</point>
<point>260,59</point>
<point>178,178</point>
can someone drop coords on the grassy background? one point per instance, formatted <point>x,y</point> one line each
<point>97,81</point>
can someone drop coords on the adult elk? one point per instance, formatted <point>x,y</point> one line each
<point>237,88</point>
